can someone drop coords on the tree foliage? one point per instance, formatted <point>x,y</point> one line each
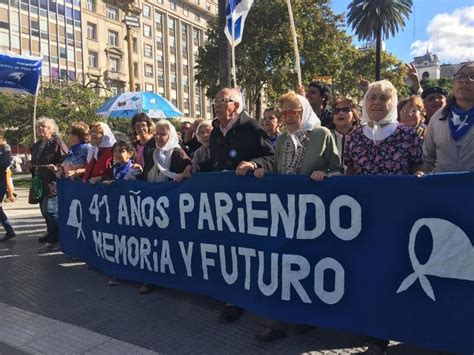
<point>377,19</point>
<point>65,103</point>
<point>265,57</point>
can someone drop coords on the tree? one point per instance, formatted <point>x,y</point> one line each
<point>377,19</point>
<point>265,59</point>
<point>65,103</point>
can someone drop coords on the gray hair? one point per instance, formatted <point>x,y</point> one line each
<point>46,121</point>
<point>236,95</point>
<point>206,123</point>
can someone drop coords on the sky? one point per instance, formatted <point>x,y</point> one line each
<point>444,27</point>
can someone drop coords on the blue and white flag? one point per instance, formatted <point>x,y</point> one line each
<point>19,74</point>
<point>235,13</point>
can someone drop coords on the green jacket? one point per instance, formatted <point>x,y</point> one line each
<point>321,153</point>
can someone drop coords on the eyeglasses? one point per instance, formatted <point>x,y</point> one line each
<point>292,112</point>
<point>342,109</point>
<point>412,111</point>
<point>464,76</point>
<point>222,101</point>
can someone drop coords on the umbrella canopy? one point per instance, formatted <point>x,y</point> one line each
<point>130,103</point>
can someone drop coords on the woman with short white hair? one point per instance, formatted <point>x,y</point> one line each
<point>46,157</point>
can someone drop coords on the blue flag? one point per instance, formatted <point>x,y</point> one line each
<point>19,74</point>
<point>236,12</point>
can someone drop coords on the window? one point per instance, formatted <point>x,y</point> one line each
<point>148,51</point>
<point>185,11</point>
<point>149,87</point>
<point>146,31</point>
<point>208,6</point>
<point>113,38</point>
<point>111,12</point>
<point>146,11</point>
<point>91,5</point>
<point>148,70</point>
<point>197,17</point>
<point>114,64</point>
<point>135,44</point>
<point>158,17</point>
<point>93,59</point>
<point>91,31</point>
<point>197,2</point>
<point>173,4</point>
<point>135,70</point>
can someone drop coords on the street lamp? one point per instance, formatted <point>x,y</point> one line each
<point>130,10</point>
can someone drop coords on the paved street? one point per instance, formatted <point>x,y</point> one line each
<point>55,305</point>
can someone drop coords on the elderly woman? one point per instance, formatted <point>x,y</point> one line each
<point>345,119</point>
<point>75,163</point>
<point>170,161</point>
<point>304,148</point>
<point>271,124</point>
<point>411,112</point>
<point>203,133</point>
<point>46,157</point>
<point>144,127</point>
<point>100,159</point>
<point>5,161</point>
<point>382,147</point>
<point>449,140</point>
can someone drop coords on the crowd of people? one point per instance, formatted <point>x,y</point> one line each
<point>308,134</point>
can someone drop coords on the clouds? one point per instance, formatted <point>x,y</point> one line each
<point>450,36</point>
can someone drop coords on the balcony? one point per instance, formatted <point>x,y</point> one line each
<point>118,76</point>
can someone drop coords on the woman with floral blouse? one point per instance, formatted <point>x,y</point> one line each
<point>382,146</point>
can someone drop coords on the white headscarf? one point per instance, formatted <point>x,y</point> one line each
<point>309,120</point>
<point>386,126</point>
<point>162,156</point>
<point>108,140</point>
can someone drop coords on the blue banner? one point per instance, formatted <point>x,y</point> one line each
<point>389,257</point>
<point>19,74</point>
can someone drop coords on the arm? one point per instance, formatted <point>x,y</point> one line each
<point>265,152</point>
<point>5,160</point>
<point>429,151</point>
<point>331,156</point>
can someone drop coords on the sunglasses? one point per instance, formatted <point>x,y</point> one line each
<point>342,109</point>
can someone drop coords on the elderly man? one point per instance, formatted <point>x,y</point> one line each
<point>434,98</point>
<point>239,143</point>
<point>449,140</point>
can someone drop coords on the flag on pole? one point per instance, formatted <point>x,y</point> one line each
<point>236,12</point>
<point>19,74</point>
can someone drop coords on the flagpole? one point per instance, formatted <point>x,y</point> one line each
<point>34,111</point>
<point>234,71</point>
<point>295,42</point>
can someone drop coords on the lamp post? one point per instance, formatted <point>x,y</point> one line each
<point>131,11</point>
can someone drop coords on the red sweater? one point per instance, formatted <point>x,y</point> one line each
<point>102,166</point>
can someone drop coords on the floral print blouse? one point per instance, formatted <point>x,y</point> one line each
<point>400,153</point>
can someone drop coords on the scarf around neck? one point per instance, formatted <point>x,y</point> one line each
<point>460,122</point>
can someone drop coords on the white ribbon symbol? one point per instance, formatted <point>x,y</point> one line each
<point>452,255</point>
<point>75,211</point>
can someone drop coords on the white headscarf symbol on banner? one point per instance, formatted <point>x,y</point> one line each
<point>75,218</point>
<point>452,255</point>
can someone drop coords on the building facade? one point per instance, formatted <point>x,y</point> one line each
<point>428,66</point>
<point>85,41</point>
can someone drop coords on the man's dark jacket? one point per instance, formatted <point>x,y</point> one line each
<point>245,141</point>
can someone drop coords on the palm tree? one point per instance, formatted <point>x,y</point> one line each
<point>374,19</point>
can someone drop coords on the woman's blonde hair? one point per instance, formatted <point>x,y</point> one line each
<point>290,96</point>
